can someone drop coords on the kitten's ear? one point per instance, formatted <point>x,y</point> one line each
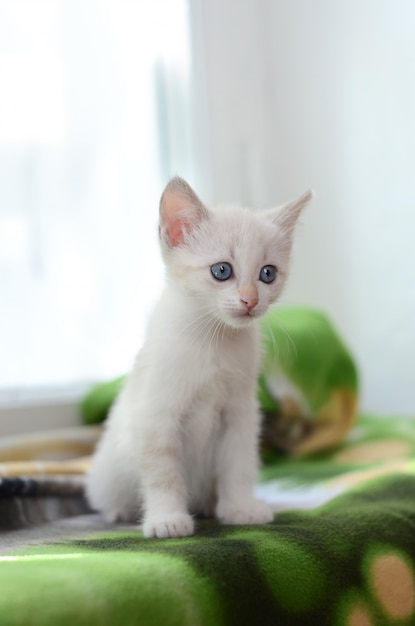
<point>286,216</point>
<point>180,211</point>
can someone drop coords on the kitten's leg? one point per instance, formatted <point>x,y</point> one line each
<point>237,467</point>
<point>163,486</point>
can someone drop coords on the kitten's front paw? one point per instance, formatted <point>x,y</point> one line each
<point>250,512</point>
<point>172,525</point>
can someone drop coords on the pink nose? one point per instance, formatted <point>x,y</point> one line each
<point>250,304</point>
<point>249,296</point>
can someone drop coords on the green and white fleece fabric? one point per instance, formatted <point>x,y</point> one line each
<point>341,552</point>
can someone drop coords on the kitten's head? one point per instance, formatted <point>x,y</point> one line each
<point>233,262</point>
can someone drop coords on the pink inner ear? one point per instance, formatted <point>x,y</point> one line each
<point>171,209</point>
<point>180,211</point>
<point>177,216</point>
<point>175,231</point>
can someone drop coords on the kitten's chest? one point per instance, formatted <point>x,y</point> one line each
<point>223,374</point>
<point>203,423</point>
<point>234,358</point>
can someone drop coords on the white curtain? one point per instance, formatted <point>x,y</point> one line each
<point>93,120</point>
<point>322,94</point>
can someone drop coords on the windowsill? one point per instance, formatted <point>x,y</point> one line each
<point>37,409</point>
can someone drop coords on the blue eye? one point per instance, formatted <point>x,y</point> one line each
<point>268,274</point>
<point>221,271</point>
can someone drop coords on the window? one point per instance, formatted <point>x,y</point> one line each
<point>90,129</point>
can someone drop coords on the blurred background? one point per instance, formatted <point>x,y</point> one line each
<point>101,101</point>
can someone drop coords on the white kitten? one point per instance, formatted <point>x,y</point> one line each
<point>182,437</point>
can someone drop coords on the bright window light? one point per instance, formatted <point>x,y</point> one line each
<point>93,95</point>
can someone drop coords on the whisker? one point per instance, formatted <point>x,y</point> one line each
<point>215,328</point>
<point>275,349</point>
<point>198,324</point>
<point>287,334</point>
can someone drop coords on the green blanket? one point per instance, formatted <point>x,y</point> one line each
<point>349,561</point>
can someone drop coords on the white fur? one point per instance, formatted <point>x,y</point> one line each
<point>182,437</point>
